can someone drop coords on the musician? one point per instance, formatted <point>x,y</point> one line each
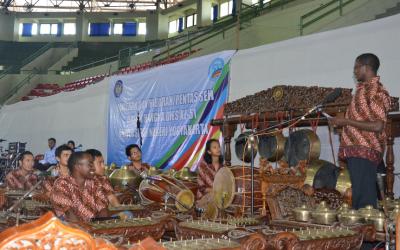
<point>100,178</point>
<point>363,137</point>
<point>23,177</point>
<point>71,144</point>
<point>134,154</point>
<point>77,197</point>
<point>50,155</point>
<point>63,153</point>
<point>212,162</point>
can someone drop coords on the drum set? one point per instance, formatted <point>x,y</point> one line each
<point>9,157</point>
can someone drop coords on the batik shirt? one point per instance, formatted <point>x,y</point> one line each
<point>17,180</point>
<point>84,202</point>
<point>205,179</point>
<point>371,102</point>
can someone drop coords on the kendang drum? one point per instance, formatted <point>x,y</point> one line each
<point>302,145</point>
<point>162,188</point>
<point>232,189</point>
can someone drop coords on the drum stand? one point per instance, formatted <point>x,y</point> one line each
<point>166,198</point>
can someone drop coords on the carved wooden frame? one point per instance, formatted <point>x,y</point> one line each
<point>49,231</point>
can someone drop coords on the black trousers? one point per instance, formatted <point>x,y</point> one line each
<point>363,182</point>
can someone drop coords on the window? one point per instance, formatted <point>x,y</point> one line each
<point>69,29</point>
<point>34,29</point>
<point>142,29</point>
<point>99,29</point>
<point>27,29</point>
<point>173,26</point>
<point>117,28</point>
<point>48,29</point>
<point>226,8</point>
<point>191,20</point>
<point>214,13</point>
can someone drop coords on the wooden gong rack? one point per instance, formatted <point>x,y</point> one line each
<point>269,107</point>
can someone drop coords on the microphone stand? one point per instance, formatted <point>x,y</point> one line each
<point>139,129</point>
<point>252,174</point>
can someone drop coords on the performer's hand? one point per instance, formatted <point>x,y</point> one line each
<point>337,122</point>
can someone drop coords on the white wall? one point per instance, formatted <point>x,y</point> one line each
<point>79,115</point>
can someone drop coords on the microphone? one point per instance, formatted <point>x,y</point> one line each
<point>331,97</point>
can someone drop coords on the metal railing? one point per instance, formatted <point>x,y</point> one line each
<point>247,13</point>
<point>30,58</point>
<point>321,12</point>
<point>186,37</point>
<point>18,86</point>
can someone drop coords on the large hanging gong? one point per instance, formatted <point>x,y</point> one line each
<point>271,146</point>
<point>324,174</point>
<point>301,145</point>
<point>243,149</point>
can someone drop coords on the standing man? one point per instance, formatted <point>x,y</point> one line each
<point>50,155</point>
<point>363,138</point>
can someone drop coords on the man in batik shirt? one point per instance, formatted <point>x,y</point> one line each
<point>102,181</point>
<point>363,138</point>
<point>23,177</point>
<point>77,197</point>
<point>63,153</point>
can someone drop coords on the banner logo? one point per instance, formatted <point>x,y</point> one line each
<point>215,68</point>
<point>118,88</point>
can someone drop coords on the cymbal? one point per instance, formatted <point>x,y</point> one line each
<point>153,171</point>
<point>124,177</point>
<point>224,188</point>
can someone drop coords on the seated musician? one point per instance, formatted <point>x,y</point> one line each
<point>134,154</point>
<point>63,153</point>
<point>77,197</point>
<point>23,177</point>
<point>102,180</point>
<point>212,162</point>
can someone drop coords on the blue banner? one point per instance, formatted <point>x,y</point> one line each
<point>175,104</point>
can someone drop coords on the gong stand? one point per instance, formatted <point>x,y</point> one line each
<point>287,99</point>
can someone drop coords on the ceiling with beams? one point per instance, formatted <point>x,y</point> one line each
<point>85,5</point>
